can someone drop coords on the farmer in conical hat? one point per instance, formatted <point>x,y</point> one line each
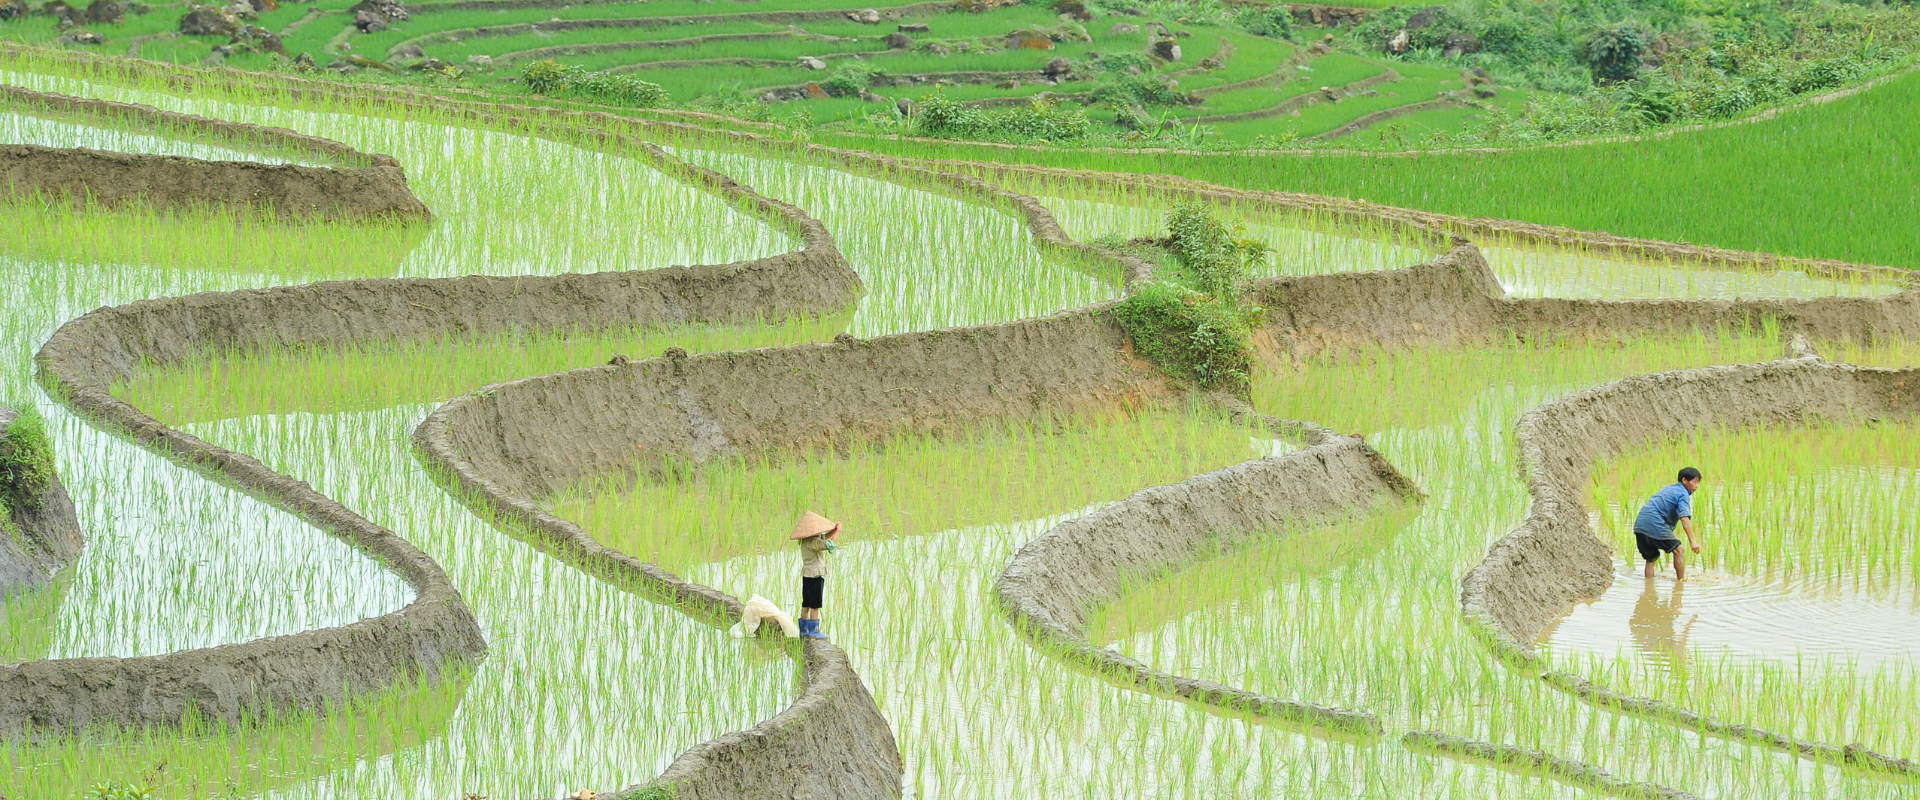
<point>817,536</point>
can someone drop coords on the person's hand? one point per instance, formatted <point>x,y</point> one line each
<point>1696,547</point>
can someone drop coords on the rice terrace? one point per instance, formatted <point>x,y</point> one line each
<point>702,399</point>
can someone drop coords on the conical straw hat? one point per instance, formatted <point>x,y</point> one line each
<point>812,524</point>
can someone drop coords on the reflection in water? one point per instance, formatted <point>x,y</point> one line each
<point>1653,624</point>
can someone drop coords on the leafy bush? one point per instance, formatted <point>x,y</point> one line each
<point>554,79</point>
<point>545,77</point>
<point>1124,62</point>
<point>1192,321</point>
<point>942,118</point>
<point>1614,51</point>
<point>26,464</point>
<point>849,80</point>
<point>1125,89</point>
<point>1190,335</point>
<point>1218,259</point>
<point>1275,21</point>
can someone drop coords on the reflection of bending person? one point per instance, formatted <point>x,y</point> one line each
<point>1652,624</point>
<point>1653,528</point>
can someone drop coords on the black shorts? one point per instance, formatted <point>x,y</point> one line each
<point>1651,548</point>
<point>813,592</point>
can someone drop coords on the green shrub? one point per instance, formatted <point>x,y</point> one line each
<point>1275,21</point>
<point>547,77</point>
<point>618,90</point>
<point>1123,62</point>
<point>849,80</point>
<point>553,79</point>
<point>26,464</point>
<point>1192,320</point>
<point>942,118</point>
<point>1191,336</point>
<point>1126,89</point>
<point>1614,51</point>
<point>1219,260</point>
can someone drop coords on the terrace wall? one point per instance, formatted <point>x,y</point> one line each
<point>42,533</point>
<point>363,186</point>
<point>1055,581</point>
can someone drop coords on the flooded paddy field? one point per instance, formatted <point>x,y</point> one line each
<point>1798,620</point>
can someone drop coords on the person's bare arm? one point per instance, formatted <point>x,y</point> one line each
<point>1686,524</point>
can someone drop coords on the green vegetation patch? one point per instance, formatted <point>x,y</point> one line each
<point>1193,320</point>
<point>26,464</point>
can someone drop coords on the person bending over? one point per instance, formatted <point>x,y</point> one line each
<point>1653,528</point>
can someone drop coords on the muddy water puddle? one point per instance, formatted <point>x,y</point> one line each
<point>1715,615</point>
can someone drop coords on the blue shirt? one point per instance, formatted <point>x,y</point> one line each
<point>1664,511</point>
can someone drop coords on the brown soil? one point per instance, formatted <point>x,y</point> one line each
<point>366,186</point>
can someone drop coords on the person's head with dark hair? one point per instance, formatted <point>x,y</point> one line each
<point>1690,478</point>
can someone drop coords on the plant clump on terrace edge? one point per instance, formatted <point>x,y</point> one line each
<point>26,465</point>
<point>554,79</point>
<point>1193,319</point>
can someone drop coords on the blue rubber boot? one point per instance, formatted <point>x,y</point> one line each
<point>810,629</point>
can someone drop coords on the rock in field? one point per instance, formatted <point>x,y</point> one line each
<point>260,40</point>
<point>209,21</point>
<point>82,37</point>
<point>1424,18</point>
<point>809,62</point>
<point>13,9</point>
<point>865,16</point>
<point>105,12</point>
<point>369,21</point>
<point>1027,39</point>
<point>1462,42</point>
<point>898,41</point>
<point>391,9</point>
<point>1165,49</point>
<point>1400,42</point>
<point>410,51</point>
<point>915,27</point>
<point>1123,29</point>
<point>1057,68</point>
<point>1073,9</point>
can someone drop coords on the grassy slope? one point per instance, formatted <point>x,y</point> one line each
<point>1830,181</point>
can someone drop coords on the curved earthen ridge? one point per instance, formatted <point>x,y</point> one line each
<point>1056,581</point>
<point>87,356</point>
<point>39,533</point>
<point>363,186</point>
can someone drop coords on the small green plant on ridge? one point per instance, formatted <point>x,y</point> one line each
<point>1192,320</point>
<point>26,464</point>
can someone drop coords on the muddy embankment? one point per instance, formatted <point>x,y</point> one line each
<point>87,356</point>
<point>41,533</point>
<point>1056,581</point>
<point>361,186</point>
